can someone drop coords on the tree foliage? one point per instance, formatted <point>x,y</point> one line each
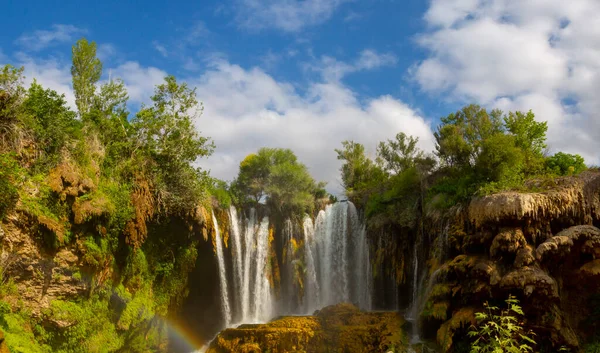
<point>565,164</point>
<point>95,179</point>
<point>500,331</point>
<point>52,122</point>
<point>85,71</point>
<point>276,176</point>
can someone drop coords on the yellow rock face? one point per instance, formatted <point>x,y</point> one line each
<point>338,328</point>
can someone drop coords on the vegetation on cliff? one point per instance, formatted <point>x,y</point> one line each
<point>120,193</point>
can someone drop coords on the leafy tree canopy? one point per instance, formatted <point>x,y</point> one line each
<point>276,176</point>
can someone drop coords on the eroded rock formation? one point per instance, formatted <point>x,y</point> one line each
<point>543,247</point>
<point>336,328</point>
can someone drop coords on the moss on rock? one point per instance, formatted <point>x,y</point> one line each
<point>339,328</point>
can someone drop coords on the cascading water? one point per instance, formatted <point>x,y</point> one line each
<point>344,272</point>
<point>238,268</point>
<point>222,274</point>
<point>334,263</point>
<point>311,296</point>
<point>253,290</point>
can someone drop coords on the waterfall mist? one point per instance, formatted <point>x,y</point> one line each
<point>322,263</point>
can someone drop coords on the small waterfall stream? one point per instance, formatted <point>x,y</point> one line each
<point>311,297</point>
<point>222,274</point>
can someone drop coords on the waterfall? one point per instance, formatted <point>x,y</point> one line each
<point>311,296</point>
<point>222,273</point>
<point>344,271</point>
<point>412,311</point>
<point>262,287</point>
<point>288,267</point>
<point>334,265</point>
<point>237,251</point>
<point>248,252</point>
<point>252,296</point>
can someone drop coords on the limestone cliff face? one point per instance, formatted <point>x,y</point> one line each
<point>543,247</point>
<point>338,328</point>
<point>40,276</point>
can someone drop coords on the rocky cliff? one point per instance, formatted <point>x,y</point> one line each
<point>543,247</point>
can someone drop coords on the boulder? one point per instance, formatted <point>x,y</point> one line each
<point>532,281</point>
<point>507,242</point>
<point>340,327</point>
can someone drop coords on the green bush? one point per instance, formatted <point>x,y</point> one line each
<point>565,164</point>
<point>499,331</point>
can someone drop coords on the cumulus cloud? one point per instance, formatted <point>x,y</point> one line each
<point>139,81</point>
<point>49,73</point>
<point>522,55</point>
<point>272,113</point>
<point>332,69</point>
<point>286,15</point>
<point>42,39</point>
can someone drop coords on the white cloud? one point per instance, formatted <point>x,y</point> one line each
<point>48,73</point>
<point>106,51</point>
<point>271,113</point>
<point>520,55</point>
<point>139,81</point>
<point>160,48</point>
<point>334,70</point>
<point>41,39</point>
<point>286,15</point>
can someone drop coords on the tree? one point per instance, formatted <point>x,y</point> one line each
<point>357,169</point>
<point>398,155</point>
<point>86,71</point>
<point>530,137</point>
<point>110,116</point>
<point>51,121</point>
<point>12,95</point>
<point>565,164</point>
<point>459,139</point>
<point>165,136</point>
<point>275,176</point>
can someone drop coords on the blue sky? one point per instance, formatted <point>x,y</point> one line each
<point>307,74</point>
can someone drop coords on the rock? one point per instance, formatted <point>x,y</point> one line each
<point>533,281</point>
<point>585,237</point>
<point>590,269</point>
<point>339,327</point>
<point>40,277</point>
<point>460,318</point>
<point>570,198</point>
<point>508,241</point>
<point>525,257</point>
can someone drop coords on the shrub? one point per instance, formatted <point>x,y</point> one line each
<point>499,331</point>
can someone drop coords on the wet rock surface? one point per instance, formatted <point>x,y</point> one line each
<point>337,328</point>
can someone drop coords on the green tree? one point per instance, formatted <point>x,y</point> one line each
<point>166,139</point>
<point>12,95</point>
<point>276,176</point>
<point>110,116</point>
<point>357,169</point>
<point>85,71</point>
<point>398,155</point>
<point>565,164</point>
<point>460,137</point>
<point>52,122</point>
<point>530,137</point>
<point>499,331</point>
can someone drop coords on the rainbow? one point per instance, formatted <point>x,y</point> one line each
<point>184,337</point>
